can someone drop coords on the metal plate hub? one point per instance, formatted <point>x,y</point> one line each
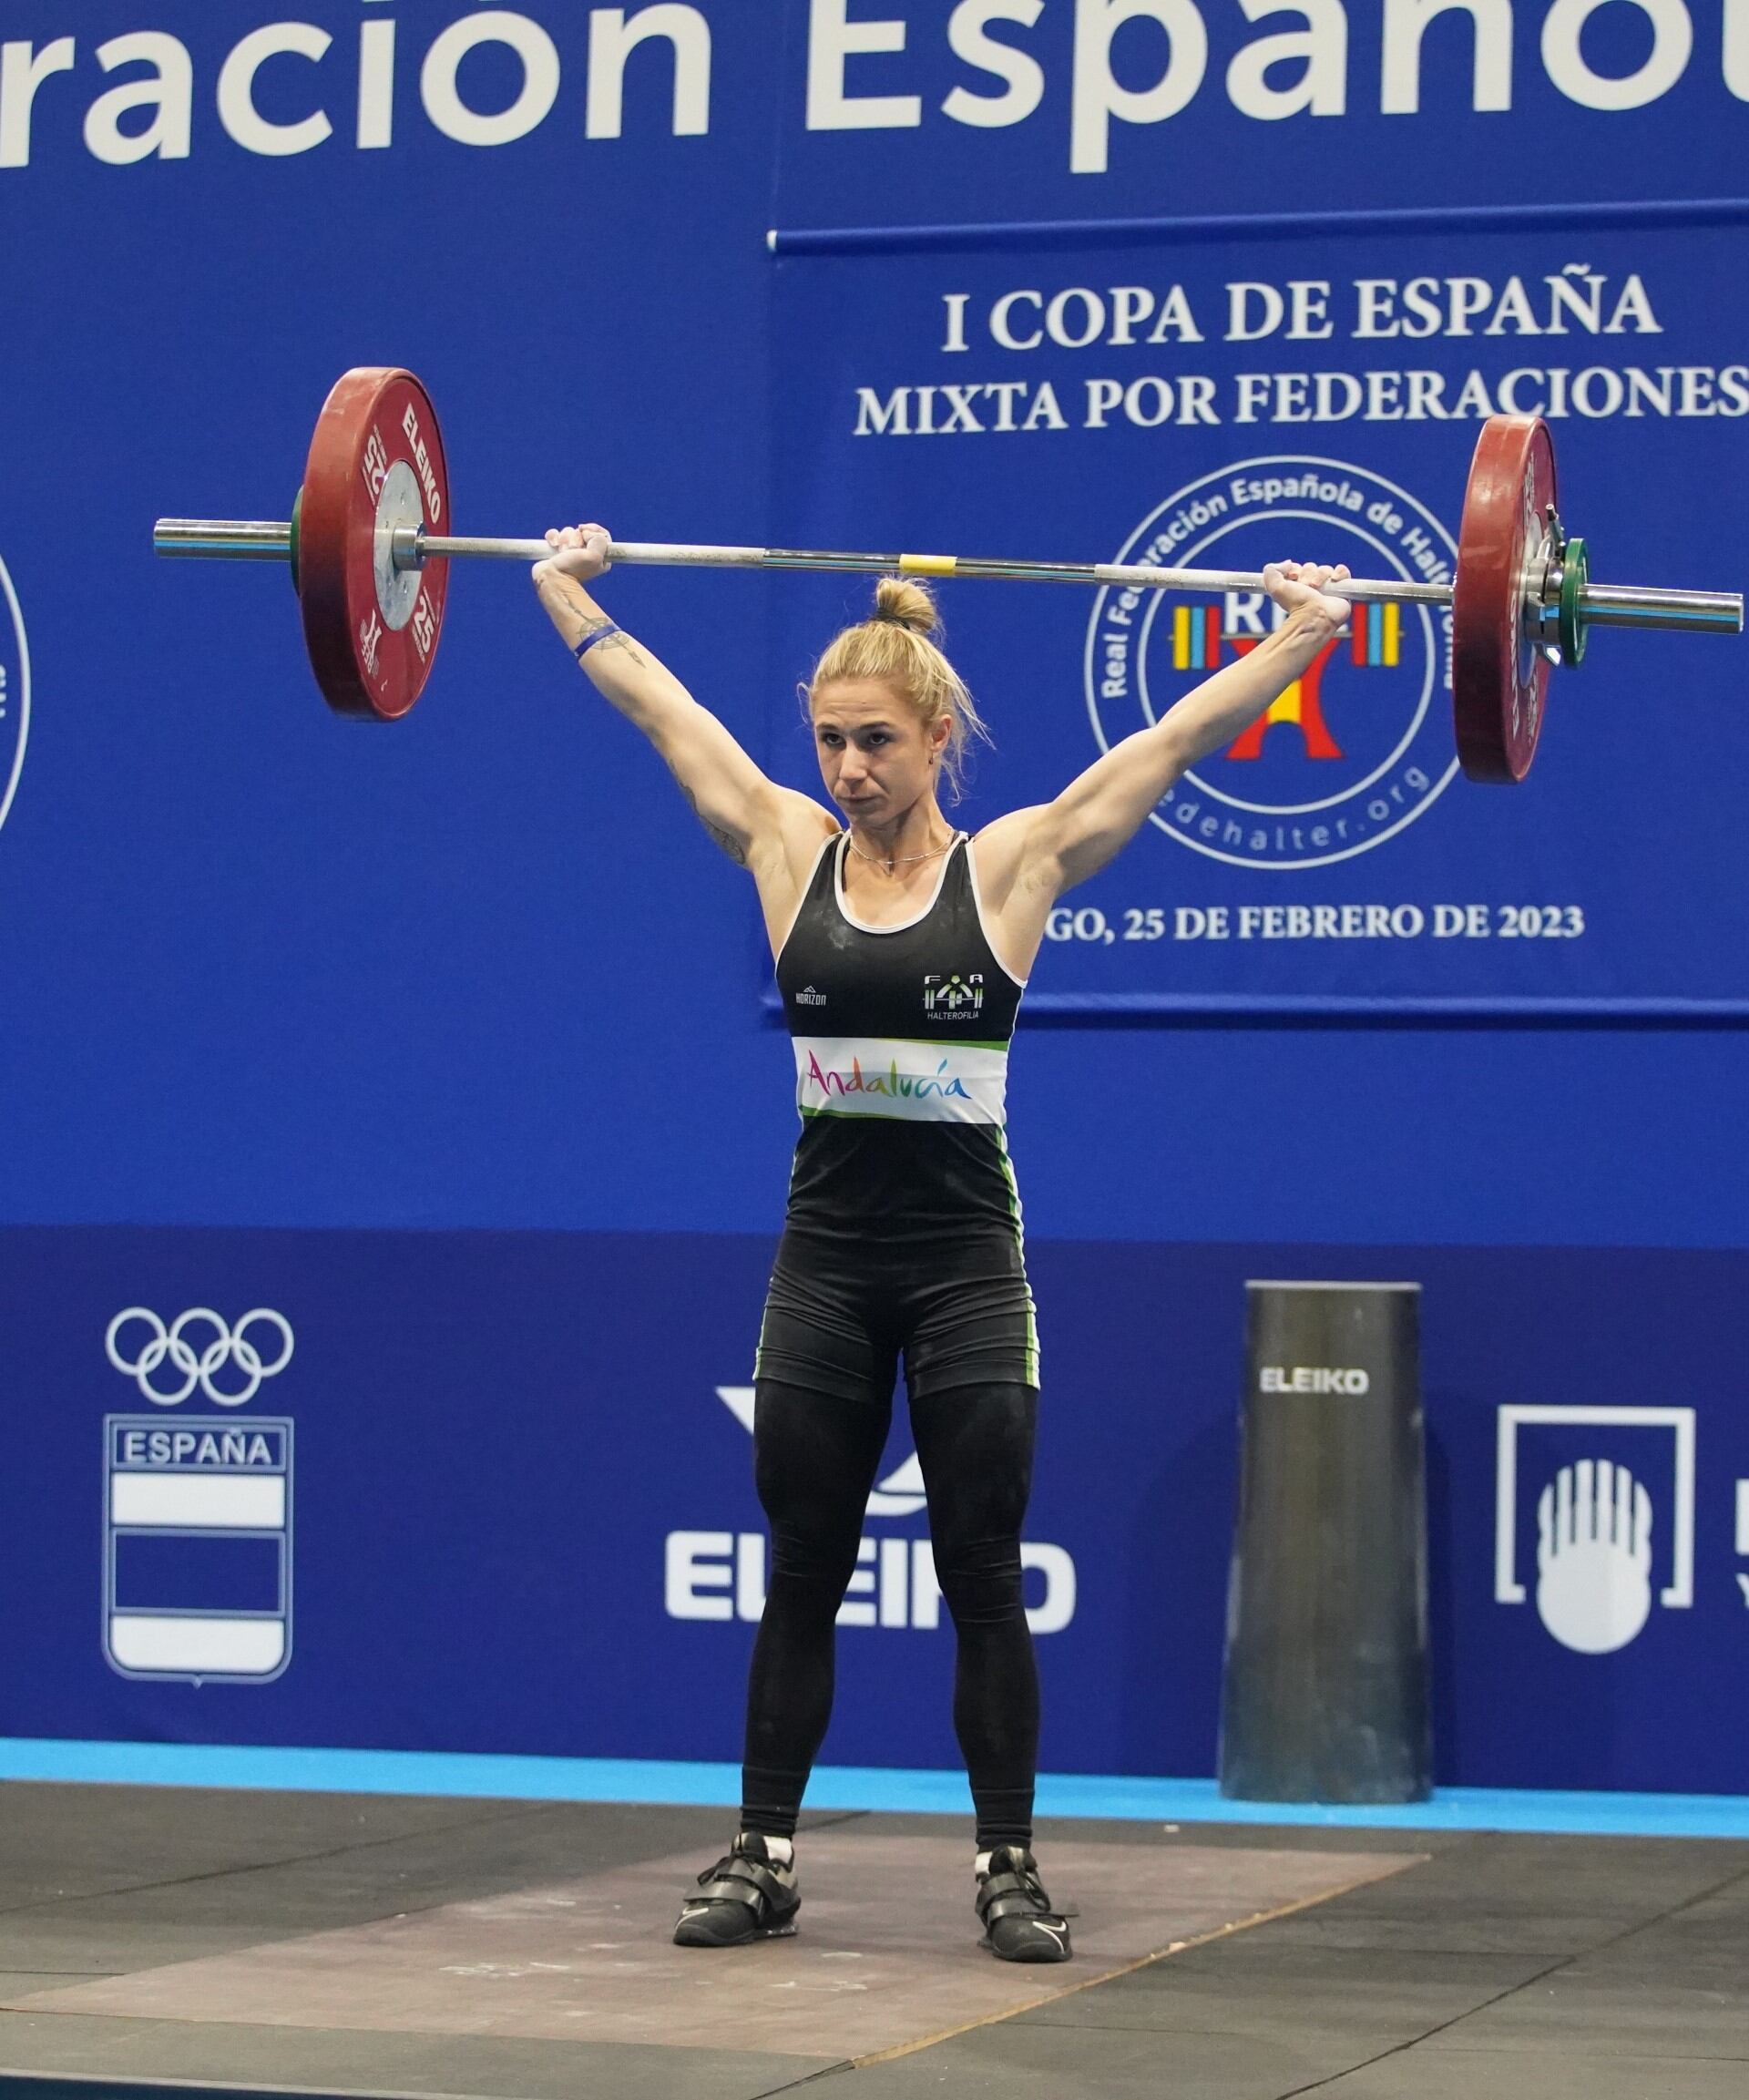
<point>398,590</point>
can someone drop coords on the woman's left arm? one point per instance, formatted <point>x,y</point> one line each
<point>1061,843</point>
<point>1028,859</point>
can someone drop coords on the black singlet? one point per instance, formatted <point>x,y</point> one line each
<point>901,1037</point>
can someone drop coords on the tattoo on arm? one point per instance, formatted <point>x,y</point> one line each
<point>623,642</point>
<point>575,598</point>
<point>593,623</point>
<point>730,844</point>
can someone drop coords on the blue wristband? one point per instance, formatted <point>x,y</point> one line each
<point>589,641</point>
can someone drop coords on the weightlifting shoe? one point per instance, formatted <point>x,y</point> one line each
<point>1018,1922</point>
<point>749,1894</point>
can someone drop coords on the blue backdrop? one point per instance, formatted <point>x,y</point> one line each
<point>445,1042</point>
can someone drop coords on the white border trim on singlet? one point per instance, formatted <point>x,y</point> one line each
<point>813,869</point>
<point>899,925</point>
<point>984,924</point>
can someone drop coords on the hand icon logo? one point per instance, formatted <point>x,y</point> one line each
<point>1595,1556</point>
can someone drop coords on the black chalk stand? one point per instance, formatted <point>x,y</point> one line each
<point>1325,1691</point>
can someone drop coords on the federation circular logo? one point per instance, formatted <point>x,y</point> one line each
<point>1360,746</point>
<point>15,693</point>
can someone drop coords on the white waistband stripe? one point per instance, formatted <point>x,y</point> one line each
<point>913,1081</point>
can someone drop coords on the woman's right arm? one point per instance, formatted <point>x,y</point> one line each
<point>753,819</point>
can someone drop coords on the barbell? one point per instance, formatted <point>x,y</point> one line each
<point>369,548</point>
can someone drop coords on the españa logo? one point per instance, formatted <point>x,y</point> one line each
<point>1356,749</point>
<point>15,693</point>
<point>196,1577</point>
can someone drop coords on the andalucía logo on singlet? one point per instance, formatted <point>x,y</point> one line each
<point>893,1078</point>
<point>15,693</point>
<point>1357,748</point>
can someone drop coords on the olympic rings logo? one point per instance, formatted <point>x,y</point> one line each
<point>199,1365</point>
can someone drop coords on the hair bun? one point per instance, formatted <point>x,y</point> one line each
<point>903,603</point>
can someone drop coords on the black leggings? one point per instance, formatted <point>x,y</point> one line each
<point>815,1458</point>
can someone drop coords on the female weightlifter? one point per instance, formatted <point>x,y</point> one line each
<point>902,948</point>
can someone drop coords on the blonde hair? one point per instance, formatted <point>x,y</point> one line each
<point>899,645</point>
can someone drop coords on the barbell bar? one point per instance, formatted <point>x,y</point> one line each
<point>1599,605</point>
<point>369,561</point>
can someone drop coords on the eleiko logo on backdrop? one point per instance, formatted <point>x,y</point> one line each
<point>197,1536</point>
<point>1604,1525</point>
<point>15,693</point>
<point>722,1575</point>
<point>1354,750</point>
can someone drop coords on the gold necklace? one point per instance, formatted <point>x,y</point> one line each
<point>904,859</point>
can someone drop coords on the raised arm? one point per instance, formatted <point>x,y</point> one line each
<point>769,830</point>
<point>1028,859</point>
<point>732,798</point>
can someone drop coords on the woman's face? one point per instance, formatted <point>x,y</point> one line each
<point>875,756</point>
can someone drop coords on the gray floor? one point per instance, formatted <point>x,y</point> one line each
<point>1504,1968</point>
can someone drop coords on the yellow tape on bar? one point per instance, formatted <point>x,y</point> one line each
<point>928,564</point>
